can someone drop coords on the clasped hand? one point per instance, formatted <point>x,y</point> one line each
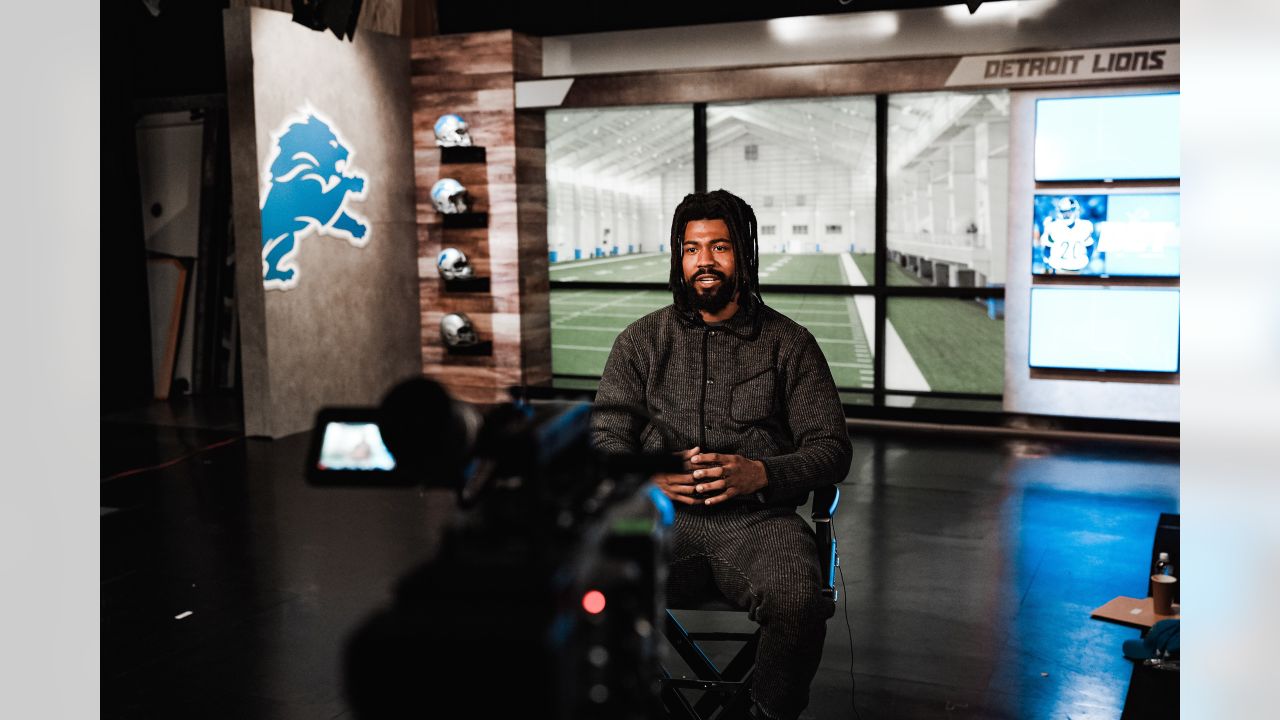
<point>729,475</point>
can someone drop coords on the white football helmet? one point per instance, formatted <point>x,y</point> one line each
<point>457,331</point>
<point>453,265</point>
<point>449,196</point>
<point>451,131</point>
<point>1066,208</point>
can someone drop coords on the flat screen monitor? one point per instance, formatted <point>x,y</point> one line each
<point>1117,137</point>
<point>353,446</point>
<point>348,450</point>
<point>1129,235</point>
<point>1116,329</point>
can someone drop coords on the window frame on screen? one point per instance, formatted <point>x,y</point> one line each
<point>879,79</point>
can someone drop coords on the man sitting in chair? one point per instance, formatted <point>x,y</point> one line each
<point>746,398</point>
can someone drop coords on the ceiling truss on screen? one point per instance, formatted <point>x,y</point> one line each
<point>643,142</point>
<point>619,144</point>
<point>928,122</point>
<point>830,131</point>
<point>639,143</point>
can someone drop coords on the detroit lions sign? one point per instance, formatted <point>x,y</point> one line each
<point>306,185</point>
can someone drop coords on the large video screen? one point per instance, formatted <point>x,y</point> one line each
<point>1126,329</point>
<point>1130,235</point>
<point>1118,137</point>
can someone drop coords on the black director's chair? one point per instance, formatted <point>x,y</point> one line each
<point>727,691</point>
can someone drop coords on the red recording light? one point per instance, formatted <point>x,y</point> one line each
<point>593,602</point>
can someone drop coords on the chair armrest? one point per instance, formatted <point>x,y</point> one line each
<point>825,500</point>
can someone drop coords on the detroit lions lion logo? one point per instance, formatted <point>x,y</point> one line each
<point>306,184</point>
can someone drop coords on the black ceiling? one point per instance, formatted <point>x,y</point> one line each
<point>179,51</point>
<point>567,17</point>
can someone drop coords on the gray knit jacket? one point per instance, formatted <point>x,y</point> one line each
<point>757,386</point>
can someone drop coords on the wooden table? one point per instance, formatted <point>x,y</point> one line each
<point>1134,612</point>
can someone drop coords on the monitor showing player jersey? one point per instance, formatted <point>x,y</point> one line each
<point>1120,235</point>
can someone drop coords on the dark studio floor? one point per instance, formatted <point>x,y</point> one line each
<point>970,568</point>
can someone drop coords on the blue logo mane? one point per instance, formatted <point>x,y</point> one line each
<point>310,181</point>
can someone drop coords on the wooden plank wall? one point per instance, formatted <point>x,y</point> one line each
<point>474,75</point>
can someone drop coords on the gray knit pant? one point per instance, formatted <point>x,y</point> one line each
<point>763,560</point>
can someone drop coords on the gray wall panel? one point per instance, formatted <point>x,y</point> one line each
<point>349,329</point>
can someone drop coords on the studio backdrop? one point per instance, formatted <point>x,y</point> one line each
<point>324,226</point>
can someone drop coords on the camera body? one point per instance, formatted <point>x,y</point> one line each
<point>544,599</point>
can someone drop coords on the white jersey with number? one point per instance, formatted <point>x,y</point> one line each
<point>1068,244</point>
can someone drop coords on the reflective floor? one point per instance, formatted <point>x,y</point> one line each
<point>969,567</point>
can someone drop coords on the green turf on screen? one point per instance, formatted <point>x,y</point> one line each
<point>953,342</point>
<point>955,345</point>
<point>584,324</point>
<point>775,269</point>
<point>898,275</point>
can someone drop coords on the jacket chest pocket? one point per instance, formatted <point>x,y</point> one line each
<point>752,399</point>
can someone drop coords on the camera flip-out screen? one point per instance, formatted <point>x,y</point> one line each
<point>347,449</point>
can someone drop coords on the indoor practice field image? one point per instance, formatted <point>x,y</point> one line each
<point>927,344</point>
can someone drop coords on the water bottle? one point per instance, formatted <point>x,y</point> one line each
<point>1163,566</point>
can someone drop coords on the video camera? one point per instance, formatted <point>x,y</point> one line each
<point>544,600</point>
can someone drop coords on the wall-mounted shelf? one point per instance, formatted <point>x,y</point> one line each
<point>461,155</point>
<point>465,221</point>
<point>475,284</point>
<point>484,347</point>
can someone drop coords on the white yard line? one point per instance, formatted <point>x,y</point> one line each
<point>821,310</point>
<point>587,311</point>
<point>575,264</point>
<point>900,369</point>
<point>597,301</point>
<point>632,316</point>
<point>639,306</point>
<point>580,295</point>
<point>826,324</point>
<point>852,275</point>
<point>588,328</point>
<point>580,347</point>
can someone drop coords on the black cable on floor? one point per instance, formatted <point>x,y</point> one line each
<point>848,629</point>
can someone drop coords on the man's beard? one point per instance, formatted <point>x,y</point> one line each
<point>711,301</point>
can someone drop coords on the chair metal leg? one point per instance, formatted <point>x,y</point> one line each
<point>738,670</point>
<point>745,661</point>
<point>726,691</point>
<point>737,706</point>
<point>675,703</point>
<point>693,656</point>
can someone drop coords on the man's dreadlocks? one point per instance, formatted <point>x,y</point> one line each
<point>741,220</point>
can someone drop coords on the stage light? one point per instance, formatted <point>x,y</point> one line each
<point>593,602</point>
